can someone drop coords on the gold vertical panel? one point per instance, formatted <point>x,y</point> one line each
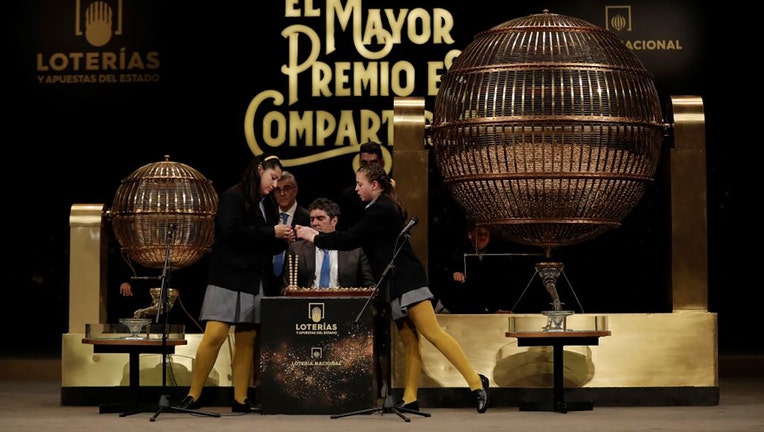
<point>689,231</point>
<point>411,166</point>
<point>644,350</point>
<point>82,367</point>
<point>87,259</point>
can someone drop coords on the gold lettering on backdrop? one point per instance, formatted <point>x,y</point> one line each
<point>397,79</point>
<point>97,61</point>
<point>653,45</point>
<point>315,128</point>
<point>291,9</point>
<point>435,68</point>
<point>366,73</point>
<point>293,69</point>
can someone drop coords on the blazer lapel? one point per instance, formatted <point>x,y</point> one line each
<point>310,264</point>
<point>342,259</point>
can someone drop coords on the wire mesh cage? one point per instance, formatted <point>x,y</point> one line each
<point>156,197</point>
<point>547,129</point>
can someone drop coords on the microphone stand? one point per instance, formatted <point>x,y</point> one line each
<point>388,405</point>
<point>163,309</point>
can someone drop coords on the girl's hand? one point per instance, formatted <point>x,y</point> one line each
<point>284,232</point>
<point>305,233</point>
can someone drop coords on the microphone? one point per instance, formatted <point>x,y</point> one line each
<point>408,227</point>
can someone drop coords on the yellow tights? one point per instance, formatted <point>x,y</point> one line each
<point>421,320</point>
<point>215,333</point>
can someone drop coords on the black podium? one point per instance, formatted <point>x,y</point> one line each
<point>314,357</point>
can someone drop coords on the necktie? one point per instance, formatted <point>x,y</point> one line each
<point>326,270</point>
<point>278,260</point>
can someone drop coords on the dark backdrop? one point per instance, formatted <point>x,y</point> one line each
<point>73,143</point>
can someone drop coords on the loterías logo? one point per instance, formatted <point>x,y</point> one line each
<point>100,22</point>
<point>109,55</point>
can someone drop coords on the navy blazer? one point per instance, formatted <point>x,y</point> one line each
<point>301,216</point>
<point>353,269</point>
<point>244,245</point>
<point>377,233</point>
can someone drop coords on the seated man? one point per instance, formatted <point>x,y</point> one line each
<point>347,269</point>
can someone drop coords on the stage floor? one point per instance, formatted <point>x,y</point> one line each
<point>35,406</point>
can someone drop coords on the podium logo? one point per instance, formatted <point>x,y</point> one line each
<point>316,359</point>
<point>316,311</point>
<point>316,352</point>
<point>316,324</point>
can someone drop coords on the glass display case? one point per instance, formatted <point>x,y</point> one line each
<point>135,331</point>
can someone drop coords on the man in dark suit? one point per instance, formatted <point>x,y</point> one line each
<point>348,269</point>
<point>290,213</point>
<point>350,203</point>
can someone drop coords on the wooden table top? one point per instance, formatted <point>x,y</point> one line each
<point>558,334</point>
<point>134,342</point>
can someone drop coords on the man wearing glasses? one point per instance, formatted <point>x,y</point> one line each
<point>290,213</point>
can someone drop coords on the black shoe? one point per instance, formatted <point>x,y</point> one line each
<point>246,407</point>
<point>411,406</point>
<point>481,395</point>
<point>189,403</point>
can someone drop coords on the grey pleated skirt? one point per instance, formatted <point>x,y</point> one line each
<point>399,306</point>
<point>229,306</point>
